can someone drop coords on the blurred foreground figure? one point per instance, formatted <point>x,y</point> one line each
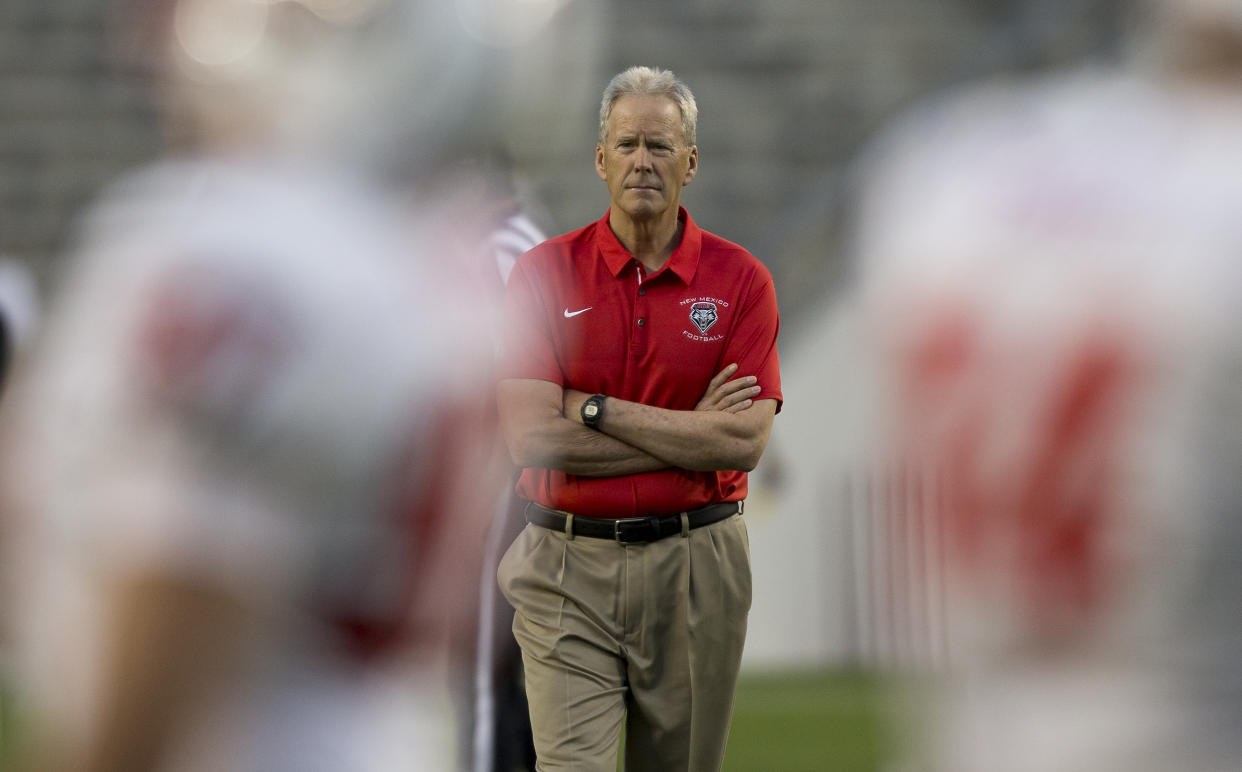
<point>493,715</point>
<point>242,470</point>
<point>1052,274</point>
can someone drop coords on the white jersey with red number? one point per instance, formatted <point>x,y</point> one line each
<point>1053,276</point>
<point>247,382</point>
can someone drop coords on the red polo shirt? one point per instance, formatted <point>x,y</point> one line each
<point>581,313</point>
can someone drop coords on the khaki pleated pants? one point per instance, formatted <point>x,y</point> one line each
<point>648,634</point>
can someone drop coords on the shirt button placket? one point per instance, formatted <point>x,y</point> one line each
<point>640,316</point>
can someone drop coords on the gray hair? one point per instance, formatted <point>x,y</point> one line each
<point>648,81</point>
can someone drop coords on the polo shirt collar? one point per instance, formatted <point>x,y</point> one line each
<point>685,258</point>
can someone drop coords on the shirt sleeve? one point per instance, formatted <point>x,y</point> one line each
<point>753,343</point>
<point>528,348</point>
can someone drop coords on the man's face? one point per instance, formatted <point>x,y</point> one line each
<point>644,159</point>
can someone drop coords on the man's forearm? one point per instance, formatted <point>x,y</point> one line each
<point>540,435</point>
<point>575,449</point>
<point>706,440</point>
<point>543,429</point>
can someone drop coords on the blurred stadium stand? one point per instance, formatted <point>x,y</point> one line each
<point>789,91</point>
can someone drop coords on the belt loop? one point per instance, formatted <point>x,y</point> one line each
<point>569,527</point>
<point>685,525</point>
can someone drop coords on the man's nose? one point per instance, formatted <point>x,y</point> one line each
<point>642,159</point>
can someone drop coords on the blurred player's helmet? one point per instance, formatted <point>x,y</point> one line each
<point>354,80</point>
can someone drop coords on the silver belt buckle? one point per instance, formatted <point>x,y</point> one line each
<point>622,526</point>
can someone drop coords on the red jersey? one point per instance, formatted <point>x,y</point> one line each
<point>583,313</point>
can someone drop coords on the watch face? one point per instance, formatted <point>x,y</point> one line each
<point>591,410</point>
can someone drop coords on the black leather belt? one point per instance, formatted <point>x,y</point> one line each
<point>631,530</point>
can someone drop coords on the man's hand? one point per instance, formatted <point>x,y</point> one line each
<point>729,396</point>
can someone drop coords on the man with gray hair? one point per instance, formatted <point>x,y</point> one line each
<point>639,383</point>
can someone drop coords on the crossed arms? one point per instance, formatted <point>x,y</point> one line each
<point>727,430</point>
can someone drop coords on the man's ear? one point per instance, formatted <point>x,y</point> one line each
<point>599,162</point>
<point>693,168</point>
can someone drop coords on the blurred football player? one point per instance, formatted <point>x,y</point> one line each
<point>1051,276</point>
<point>494,719</point>
<point>481,210</point>
<point>242,472</point>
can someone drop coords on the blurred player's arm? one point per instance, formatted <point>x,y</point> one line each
<point>543,429</point>
<point>173,639</point>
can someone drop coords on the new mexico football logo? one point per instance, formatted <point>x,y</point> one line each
<point>703,315</point>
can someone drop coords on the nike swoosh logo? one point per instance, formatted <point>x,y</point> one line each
<point>571,314</point>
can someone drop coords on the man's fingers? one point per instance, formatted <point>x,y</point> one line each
<point>738,395</point>
<point>729,395</point>
<point>737,384</point>
<point>721,377</point>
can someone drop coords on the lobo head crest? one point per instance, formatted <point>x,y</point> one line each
<point>703,315</point>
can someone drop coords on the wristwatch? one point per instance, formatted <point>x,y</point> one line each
<point>592,411</point>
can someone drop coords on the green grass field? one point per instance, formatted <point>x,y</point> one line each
<point>805,721</point>
<point>808,721</point>
<point>819,721</point>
